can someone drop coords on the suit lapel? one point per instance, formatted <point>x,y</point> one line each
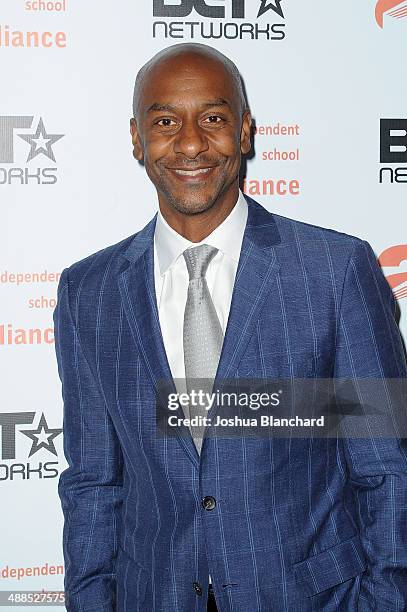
<point>257,268</point>
<point>256,272</point>
<point>137,289</point>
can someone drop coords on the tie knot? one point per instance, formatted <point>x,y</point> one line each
<point>198,258</point>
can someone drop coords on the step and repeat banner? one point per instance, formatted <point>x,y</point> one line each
<point>327,88</point>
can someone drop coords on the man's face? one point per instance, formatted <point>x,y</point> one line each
<point>191,131</point>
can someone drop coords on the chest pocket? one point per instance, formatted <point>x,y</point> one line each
<point>301,364</point>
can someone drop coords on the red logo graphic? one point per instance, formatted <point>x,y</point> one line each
<point>392,257</point>
<point>385,6</point>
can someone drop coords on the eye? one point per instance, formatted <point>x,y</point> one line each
<point>213,119</point>
<point>166,122</point>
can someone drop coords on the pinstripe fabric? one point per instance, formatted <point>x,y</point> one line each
<point>300,524</point>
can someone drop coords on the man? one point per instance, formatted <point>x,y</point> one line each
<point>215,285</point>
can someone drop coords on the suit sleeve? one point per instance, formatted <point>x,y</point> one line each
<point>369,345</point>
<point>90,487</point>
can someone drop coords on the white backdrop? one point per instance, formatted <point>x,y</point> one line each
<point>69,185</point>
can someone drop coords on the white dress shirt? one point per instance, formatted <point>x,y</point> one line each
<point>172,279</point>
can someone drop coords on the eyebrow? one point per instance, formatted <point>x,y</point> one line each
<point>167,107</point>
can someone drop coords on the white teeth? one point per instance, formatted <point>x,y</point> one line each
<point>192,172</point>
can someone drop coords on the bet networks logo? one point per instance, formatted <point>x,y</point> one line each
<point>393,150</point>
<point>393,257</point>
<point>42,438</point>
<point>41,145</point>
<point>235,19</point>
<point>393,8</point>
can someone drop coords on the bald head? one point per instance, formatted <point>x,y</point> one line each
<point>190,128</point>
<point>179,55</point>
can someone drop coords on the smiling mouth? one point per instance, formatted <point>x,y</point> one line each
<point>196,172</point>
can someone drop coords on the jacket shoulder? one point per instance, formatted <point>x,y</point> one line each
<point>293,230</point>
<point>93,266</point>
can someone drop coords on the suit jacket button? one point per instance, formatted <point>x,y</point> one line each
<point>209,502</point>
<point>197,588</point>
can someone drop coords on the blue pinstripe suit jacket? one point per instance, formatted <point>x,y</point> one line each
<point>298,526</point>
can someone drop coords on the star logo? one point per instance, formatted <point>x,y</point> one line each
<point>41,142</point>
<point>42,437</point>
<point>266,6</point>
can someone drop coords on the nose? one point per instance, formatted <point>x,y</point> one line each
<point>190,140</point>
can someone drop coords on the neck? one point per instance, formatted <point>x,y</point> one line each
<point>198,226</point>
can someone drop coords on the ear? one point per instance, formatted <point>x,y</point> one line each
<point>136,140</point>
<point>245,140</point>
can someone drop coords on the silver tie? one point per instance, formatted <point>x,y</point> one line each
<point>203,335</point>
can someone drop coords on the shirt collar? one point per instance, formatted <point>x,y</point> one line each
<point>227,237</point>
